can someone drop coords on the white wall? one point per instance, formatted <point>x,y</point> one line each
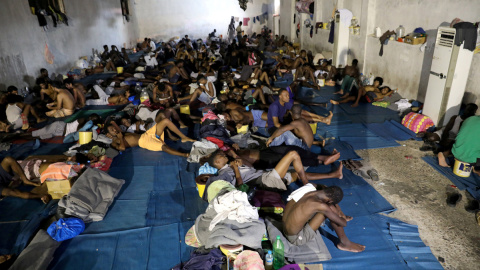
<point>91,24</point>
<point>168,18</point>
<point>402,66</point>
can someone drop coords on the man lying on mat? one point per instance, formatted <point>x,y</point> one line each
<point>152,139</point>
<point>306,211</point>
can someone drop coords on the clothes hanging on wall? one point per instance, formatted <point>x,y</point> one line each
<point>245,21</point>
<point>466,33</point>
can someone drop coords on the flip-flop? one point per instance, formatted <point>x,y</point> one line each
<point>453,199</point>
<point>472,206</point>
<point>347,165</point>
<point>373,174</point>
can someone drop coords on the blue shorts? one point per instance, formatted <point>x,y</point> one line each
<point>257,119</point>
<point>205,98</point>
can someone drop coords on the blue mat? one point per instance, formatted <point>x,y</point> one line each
<point>346,151</point>
<point>385,248</point>
<point>366,108</point>
<point>392,130</point>
<point>471,184</point>
<point>345,130</point>
<point>369,142</point>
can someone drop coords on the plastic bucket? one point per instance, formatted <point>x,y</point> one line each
<point>119,70</point>
<point>321,82</point>
<point>84,137</point>
<point>313,126</point>
<point>462,169</point>
<point>185,109</point>
<point>243,129</point>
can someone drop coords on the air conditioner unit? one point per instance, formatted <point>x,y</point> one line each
<point>340,42</point>
<point>448,77</point>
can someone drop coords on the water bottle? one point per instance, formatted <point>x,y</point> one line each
<point>371,78</point>
<point>400,32</point>
<point>278,254</point>
<point>269,261</point>
<point>138,88</point>
<point>144,96</point>
<point>363,79</point>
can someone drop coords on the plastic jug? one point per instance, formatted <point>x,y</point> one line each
<point>138,88</point>
<point>400,32</point>
<point>144,96</point>
<point>278,254</point>
<point>378,32</point>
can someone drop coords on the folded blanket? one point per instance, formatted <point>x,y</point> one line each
<point>91,195</point>
<point>314,251</point>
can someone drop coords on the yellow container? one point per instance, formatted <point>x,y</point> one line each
<point>85,137</point>
<point>243,129</point>
<point>462,169</point>
<point>280,51</point>
<point>119,70</point>
<point>313,126</point>
<point>321,82</point>
<point>185,109</point>
<point>200,189</point>
<point>230,249</point>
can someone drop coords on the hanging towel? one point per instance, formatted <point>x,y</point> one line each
<point>345,16</point>
<point>332,32</point>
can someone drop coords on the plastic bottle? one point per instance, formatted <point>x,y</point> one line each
<point>138,88</point>
<point>371,78</point>
<point>144,96</point>
<point>278,254</point>
<point>363,78</point>
<point>269,261</point>
<point>400,32</point>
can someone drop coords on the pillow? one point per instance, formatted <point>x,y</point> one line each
<point>417,122</point>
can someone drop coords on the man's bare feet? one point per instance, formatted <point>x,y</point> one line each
<point>332,158</point>
<point>328,120</point>
<point>4,258</point>
<point>339,92</point>
<point>351,247</point>
<point>354,105</point>
<point>39,120</point>
<point>339,172</point>
<point>441,160</point>
<point>334,102</point>
<point>321,143</point>
<point>46,198</point>
<point>187,139</point>
<point>182,125</point>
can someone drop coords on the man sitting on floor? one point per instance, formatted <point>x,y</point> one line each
<point>152,139</point>
<point>307,209</point>
<point>64,105</point>
<point>17,113</point>
<point>8,167</point>
<point>302,135</point>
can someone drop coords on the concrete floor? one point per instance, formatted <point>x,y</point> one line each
<point>419,193</point>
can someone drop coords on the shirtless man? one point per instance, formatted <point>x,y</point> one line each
<point>350,73</point>
<point>64,104</point>
<point>78,91</point>
<point>206,92</point>
<point>242,117</point>
<point>152,139</point>
<point>307,209</point>
<point>178,71</point>
<point>163,94</point>
<point>300,128</point>
<point>368,94</point>
<point>104,99</point>
<point>46,89</point>
<point>240,171</point>
<point>8,167</point>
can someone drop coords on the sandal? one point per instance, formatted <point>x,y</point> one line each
<point>453,199</point>
<point>373,174</point>
<point>472,206</point>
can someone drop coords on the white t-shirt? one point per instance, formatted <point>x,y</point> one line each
<point>153,46</point>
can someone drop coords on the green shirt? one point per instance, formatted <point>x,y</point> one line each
<point>467,144</point>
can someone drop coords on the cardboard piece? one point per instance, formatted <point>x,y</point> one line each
<point>58,189</point>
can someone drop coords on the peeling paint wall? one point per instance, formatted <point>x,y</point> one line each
<point>162,20</point>
<point>91,24</point>
<point>402,66</point>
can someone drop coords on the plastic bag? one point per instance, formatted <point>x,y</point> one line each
<point>65,229</point>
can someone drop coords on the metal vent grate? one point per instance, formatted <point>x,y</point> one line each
<point>446,37</point>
